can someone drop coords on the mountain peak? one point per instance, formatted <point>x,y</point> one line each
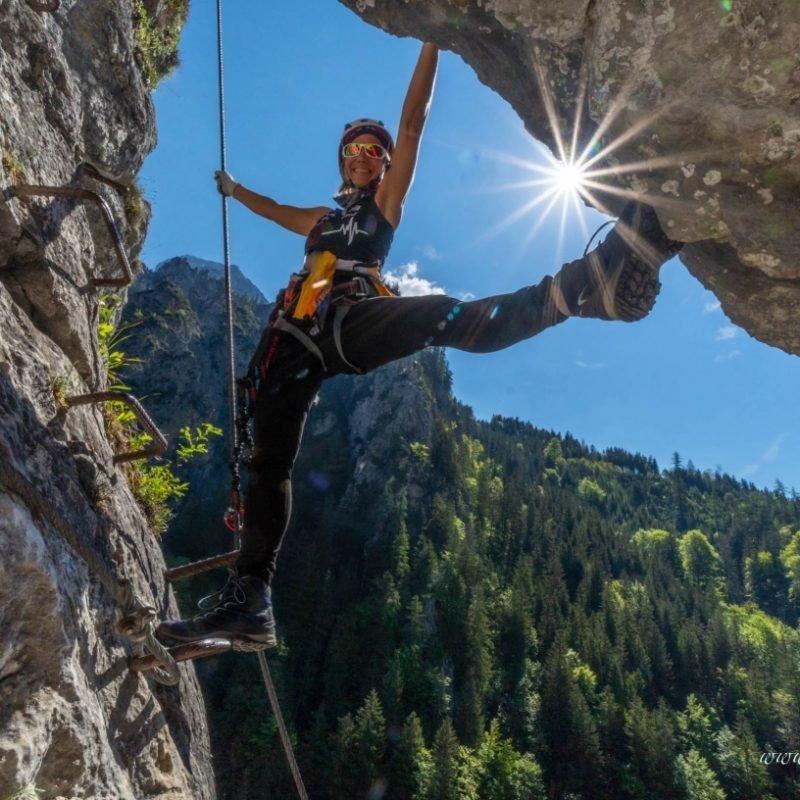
<point>241,284</point>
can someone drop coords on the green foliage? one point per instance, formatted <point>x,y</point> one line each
<point>741,773</point>
<point>553,454</point>
<point>28,792</point>
<point>195,444</point>
<point>135,204</point>
<point>154,486</point>
<point>766,581</point>
<point>421,452</point>
<point>12,166</point>
<point>654,545</point>
<point>790,558</point>
<point>651,743</point>
<point>62,386</point>
<point>450,779</point>
<point>696,728</point>
<point>411,763</point>
<point>698,778</point>
<point>110,338</point>
<point>591,492</point>
<point>758,636</point>
<point>156,40</point>
<point>473,629</point>
<point>504,774</point>
<point>361,743</point>
<point>700,561</point>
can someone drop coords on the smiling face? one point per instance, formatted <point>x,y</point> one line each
<point>361,169</point>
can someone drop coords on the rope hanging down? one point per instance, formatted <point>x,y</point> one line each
<point>234,449</point>
<point>233,455</point>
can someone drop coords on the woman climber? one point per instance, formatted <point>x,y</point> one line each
<point>336,316</point>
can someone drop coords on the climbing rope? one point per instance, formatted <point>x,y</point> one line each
<point>284,733</point>
<point>232,414</point>
<point>234,464</point>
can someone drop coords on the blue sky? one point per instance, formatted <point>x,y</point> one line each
<point>684,379</point>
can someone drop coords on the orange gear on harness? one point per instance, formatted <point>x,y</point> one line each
<point>317,282</point>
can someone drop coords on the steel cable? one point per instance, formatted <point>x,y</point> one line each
<point>234,450</point>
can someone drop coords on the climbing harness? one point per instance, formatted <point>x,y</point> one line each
<point>302,308</point>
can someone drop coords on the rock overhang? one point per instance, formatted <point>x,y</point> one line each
<point>695,107</point>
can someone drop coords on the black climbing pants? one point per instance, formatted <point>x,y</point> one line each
<point>374,332</point>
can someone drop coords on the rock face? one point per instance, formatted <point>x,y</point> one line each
<point>74,721</point>
<point>693,107</point>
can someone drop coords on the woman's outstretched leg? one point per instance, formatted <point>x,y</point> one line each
<point>618,280</point>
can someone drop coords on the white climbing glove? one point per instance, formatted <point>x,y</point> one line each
<point>226,184</point>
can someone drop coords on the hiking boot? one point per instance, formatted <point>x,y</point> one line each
<point>619,278</point>
<point>242,613</point>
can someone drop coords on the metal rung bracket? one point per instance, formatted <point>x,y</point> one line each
<point>198,567</point>
<point>189,651</point>
<point>26,190</point>
<point>45,5</point>
<point>159,444</point>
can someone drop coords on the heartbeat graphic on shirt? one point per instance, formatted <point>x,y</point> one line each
<point>349,227</point>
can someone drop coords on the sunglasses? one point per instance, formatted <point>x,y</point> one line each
<point>352,149</point>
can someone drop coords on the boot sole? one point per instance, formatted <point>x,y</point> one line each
<point>636,291</point>
<point>241,643</point>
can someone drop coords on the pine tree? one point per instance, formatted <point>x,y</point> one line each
<point>766,582</point>
<point>504,773</point>
<point>697,778</point>
<point>568,729</point>
<point>410,765</point>
<point>444,781</point>
<point>360,747</point>
<point>476,667</point>
<point>652,746</point>
<point>742,774</point>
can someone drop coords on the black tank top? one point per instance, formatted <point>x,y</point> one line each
<point>358,232</point>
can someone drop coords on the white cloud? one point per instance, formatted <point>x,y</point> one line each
<point>768,456</point>
<point>466,296</point>
<point>727,332</point>
<point>727,356</point>
<point>410,283</point>
<point>772,452</point>
<point>596,365</point>
<point>710,308</point>
<point>430,252</point>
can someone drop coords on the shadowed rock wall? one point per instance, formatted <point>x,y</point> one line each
<point>697,104</point>
<point>74,721</point>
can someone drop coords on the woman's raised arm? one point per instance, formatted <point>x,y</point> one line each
<point>391,194</point>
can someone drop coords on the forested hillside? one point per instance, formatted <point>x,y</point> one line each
<point>485,610</point>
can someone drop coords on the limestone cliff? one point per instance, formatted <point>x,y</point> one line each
<point>692,106</point>
<point>75,722</point>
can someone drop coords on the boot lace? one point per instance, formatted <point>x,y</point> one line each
<point>589,243</point>
<point>233,590</point>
